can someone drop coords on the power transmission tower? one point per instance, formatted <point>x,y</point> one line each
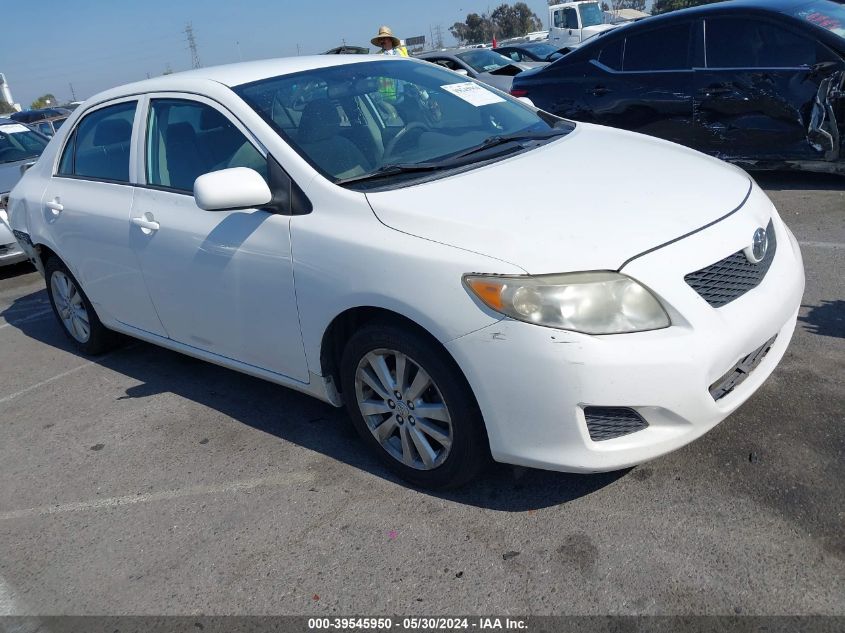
<point>72,93</point>
<point>437,37</point>
<point>192,44</point>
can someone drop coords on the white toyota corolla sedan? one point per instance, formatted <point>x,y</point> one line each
<point>468,275</point>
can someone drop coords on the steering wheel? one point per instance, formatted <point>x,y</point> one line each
<point>392,143</point>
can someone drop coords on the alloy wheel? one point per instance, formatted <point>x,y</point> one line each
<point>403,409</point>
<point>70,306</point>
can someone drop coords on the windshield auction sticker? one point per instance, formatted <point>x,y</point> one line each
<point>14,128</point>
<point>473,93</point>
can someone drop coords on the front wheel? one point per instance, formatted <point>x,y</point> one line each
<point>410,402</point>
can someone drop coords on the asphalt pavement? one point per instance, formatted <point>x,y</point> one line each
<point>146,482</point>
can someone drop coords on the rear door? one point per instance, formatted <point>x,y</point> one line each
<point>87,202</point>
<point>756,98</point>
<point>221,281</point>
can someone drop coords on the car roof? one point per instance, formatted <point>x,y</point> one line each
<point>232,75</point>
<point>774,6</point>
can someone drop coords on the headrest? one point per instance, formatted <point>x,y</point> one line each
<point>211,119</point>
<point>181,133</point>
<point>112,131</point>
<point>320,121</point>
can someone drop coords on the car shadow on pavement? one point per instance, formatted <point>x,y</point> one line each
<point>827,319</point>
<point>298,418</point>
<point>795,180</point>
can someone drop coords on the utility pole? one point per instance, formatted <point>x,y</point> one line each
<point>72,93</point>
<point>240,57</point>
<point>192,44</point>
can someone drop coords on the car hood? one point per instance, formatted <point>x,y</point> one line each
<point>588,201</point>
<point>10,173</point>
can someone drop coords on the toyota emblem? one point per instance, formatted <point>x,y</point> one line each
<point>759,246</point>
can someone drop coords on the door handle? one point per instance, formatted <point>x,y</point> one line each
<point>147,225</point>
<point>55,205</point>
<point>598,91</point>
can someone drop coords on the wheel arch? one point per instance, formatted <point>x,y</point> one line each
<point>345,324</point>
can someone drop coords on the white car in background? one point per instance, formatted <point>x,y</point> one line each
<point>381,233</point>
<point>20,145</point>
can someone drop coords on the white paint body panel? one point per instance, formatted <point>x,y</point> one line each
<point>256,292</point>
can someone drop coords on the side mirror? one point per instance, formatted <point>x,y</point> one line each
<point>461,71</point>
<point>228,189</point>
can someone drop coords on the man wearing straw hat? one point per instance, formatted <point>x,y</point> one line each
<point>389,43</point>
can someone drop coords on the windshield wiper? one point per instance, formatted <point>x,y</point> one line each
<point>455,160</point>
<point>505,139</point>
<point>392,170</point>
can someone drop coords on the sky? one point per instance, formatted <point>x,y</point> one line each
<point>98,44</point>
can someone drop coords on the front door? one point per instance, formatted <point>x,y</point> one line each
<point>221,281</point>
<point>643,82</point>
<point>760,95</point>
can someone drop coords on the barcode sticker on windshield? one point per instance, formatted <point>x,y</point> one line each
<point>473,93</point>
<point>13,128</point>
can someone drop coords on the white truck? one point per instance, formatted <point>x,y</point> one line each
<point>571,23</point>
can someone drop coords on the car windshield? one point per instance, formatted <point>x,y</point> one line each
<point>18,142</point>
<point>826,14</point>
<point>483,60</point>
<point>356,120</point>
<point>591,14</point>
<point>544,51</point>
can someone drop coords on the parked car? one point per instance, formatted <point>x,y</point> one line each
<point>268,217</point>
<point>19,146</point>
<point>760,83</point>
<point>348,50</point>
<point>483,64</point>
<point>531,52</point>
<point>47,120</point>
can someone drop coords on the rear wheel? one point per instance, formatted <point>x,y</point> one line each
<point>74,311</point>
<point>411,403</point>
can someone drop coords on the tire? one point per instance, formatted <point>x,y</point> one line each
<point>445,448</point>
<point>74,311</point>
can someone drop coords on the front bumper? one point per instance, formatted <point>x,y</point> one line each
<point>533,383</point>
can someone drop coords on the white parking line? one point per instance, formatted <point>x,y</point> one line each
<point>31,317</point>
<point>287,479</point>
<point>22,392</point>
<point>7,604</point>
<point>832,245</point>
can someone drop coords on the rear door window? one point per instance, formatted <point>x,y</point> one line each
<point>748,43</point>
<point>666,48</point>
<point>99,146</point>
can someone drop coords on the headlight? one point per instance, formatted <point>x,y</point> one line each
<point>590,302</point>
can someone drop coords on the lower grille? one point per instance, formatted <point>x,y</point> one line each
<point>730,278</point>
<point>739,372</point>
<point>606,423</point>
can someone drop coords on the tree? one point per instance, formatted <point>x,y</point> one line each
<point>6,108</point>
<point>504,21</point>
<point>44,101</point>
<point>476,29</point>
<point>665,6</point>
